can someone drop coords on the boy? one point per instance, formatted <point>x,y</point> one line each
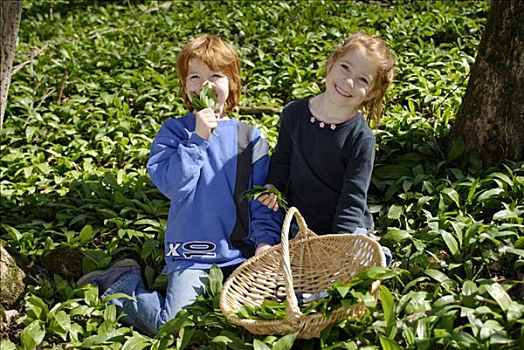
<point>204,173</point>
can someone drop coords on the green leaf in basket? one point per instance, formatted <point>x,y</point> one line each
<point>341,288</point>
<point>268,310</point>
<point>340,294</point>
<point>245,312</point>
<point>347,294</point>
<point>347,303</point>
<point>324,306</point>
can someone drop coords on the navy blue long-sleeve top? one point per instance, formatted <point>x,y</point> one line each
<point>325,172</point>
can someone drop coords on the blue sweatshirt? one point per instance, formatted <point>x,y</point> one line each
<point>209,222</point>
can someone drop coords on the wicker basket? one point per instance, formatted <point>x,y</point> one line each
<point>309,264</point>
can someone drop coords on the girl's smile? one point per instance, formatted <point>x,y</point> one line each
<point>342,92</point>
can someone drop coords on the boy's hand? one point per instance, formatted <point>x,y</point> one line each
<point>261,247</point>
<point>206,122</point>
<point>269,200</point>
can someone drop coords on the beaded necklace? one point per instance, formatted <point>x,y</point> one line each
<point>321,124</point>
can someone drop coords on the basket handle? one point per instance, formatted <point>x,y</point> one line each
<point>303,231</point>
<point>293,311</point>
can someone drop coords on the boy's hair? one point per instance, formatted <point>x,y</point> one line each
<point>383,57</point>
<point>219,56</point>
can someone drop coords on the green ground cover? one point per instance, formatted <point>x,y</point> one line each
<point>93,82</point>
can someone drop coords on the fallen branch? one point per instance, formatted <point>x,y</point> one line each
<point>259,110</point>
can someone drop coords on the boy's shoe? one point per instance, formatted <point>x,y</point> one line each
<point>105,278</point>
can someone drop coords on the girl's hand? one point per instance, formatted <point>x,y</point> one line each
<point>206,122</point>
<point>269,200</point>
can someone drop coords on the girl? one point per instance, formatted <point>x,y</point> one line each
<point>204,174</point>
<point>324,156</point>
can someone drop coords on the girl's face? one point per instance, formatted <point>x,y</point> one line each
<point>351,78</point>
<point>198,74</point>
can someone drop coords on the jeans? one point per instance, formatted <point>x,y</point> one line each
<point>151,309</point>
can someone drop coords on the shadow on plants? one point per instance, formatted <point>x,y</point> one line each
<point>96,213</point>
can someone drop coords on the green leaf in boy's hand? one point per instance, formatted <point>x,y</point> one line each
<point>257,190</point>
<point>206,99</point>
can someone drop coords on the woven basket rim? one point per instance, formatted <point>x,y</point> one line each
<point>277,247</point>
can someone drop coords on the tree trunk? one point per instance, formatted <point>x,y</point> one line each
<point>491,116</point>
<point>10,13</point>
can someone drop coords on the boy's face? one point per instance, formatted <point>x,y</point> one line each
<point>198,74</point>
<point>351,78</point>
